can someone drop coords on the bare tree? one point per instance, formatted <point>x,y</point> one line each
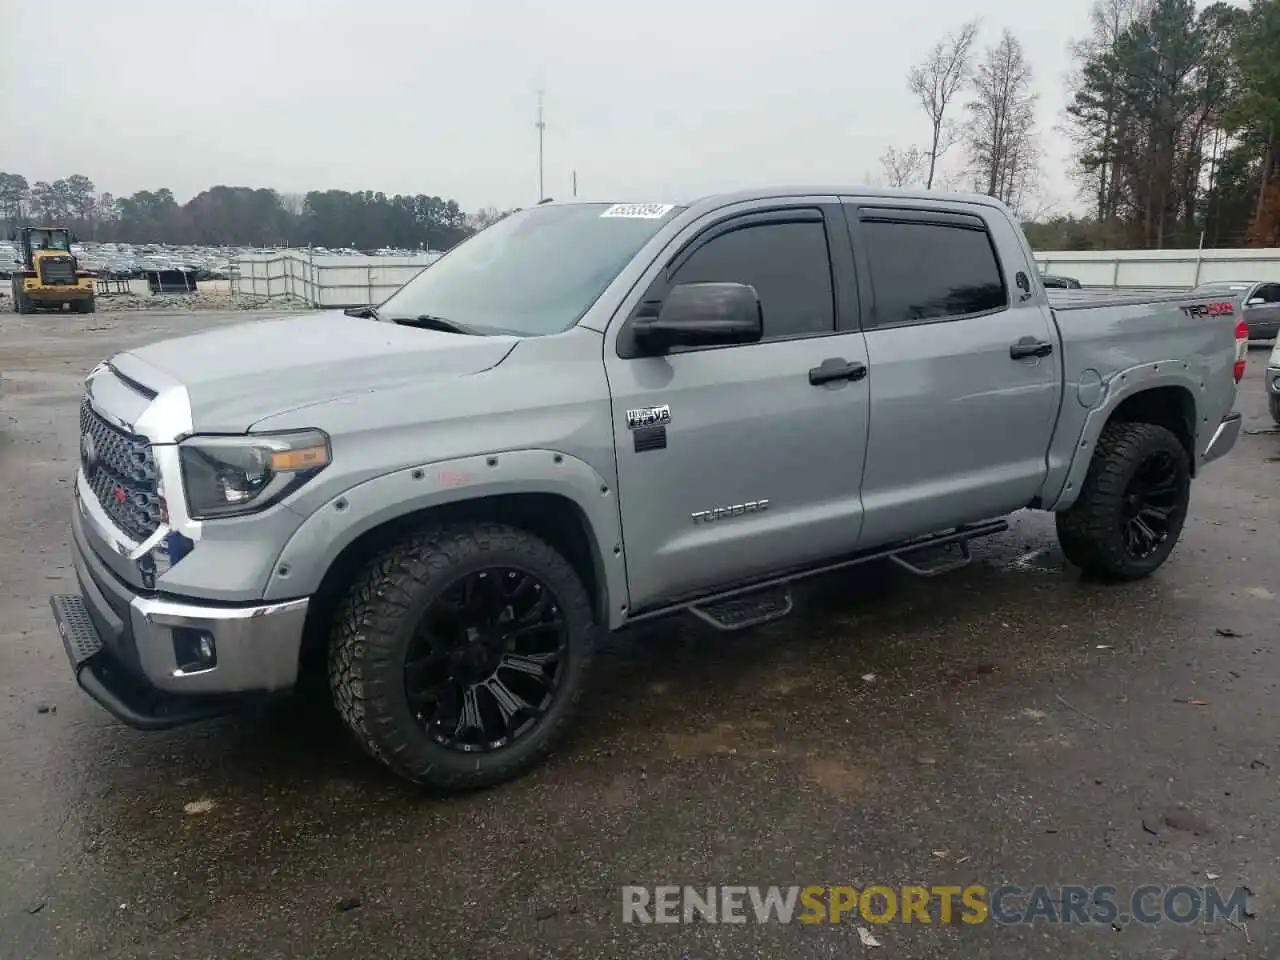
<point>936,81</point>
<point>1001,129</point>
<point>902,168</point>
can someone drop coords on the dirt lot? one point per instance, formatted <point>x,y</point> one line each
<point>1006,724</point>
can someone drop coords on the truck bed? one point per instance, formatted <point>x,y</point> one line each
<point>1107,297</point>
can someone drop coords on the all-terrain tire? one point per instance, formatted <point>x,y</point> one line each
<point>1275,407</point>
<point>86,306</point>
<point>377,620</point>
<point>1091,531</point>
<point>24,304</point>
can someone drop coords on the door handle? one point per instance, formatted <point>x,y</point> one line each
<point>836,368</point>
<point>1030,347</point>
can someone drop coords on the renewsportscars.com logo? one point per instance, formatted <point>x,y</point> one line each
<point>936,904</point>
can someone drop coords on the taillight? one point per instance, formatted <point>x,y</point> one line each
<point>1242,349</point>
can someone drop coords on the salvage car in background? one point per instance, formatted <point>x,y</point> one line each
<point>1261,301</point>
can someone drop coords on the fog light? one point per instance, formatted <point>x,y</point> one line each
<point>194,650</point>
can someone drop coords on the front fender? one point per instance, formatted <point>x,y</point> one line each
<point>335,524</point>
<point>1063,485</point>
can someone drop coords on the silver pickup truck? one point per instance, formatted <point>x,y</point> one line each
<point>590,415</point>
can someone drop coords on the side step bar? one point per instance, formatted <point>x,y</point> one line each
<point>763,602</point>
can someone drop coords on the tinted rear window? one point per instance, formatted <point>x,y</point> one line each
<point>930,271</point>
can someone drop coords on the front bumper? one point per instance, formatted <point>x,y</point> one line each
<point>127,649</point>
<point>1223,439</point>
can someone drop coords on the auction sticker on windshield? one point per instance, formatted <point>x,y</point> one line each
<point>639,211</point>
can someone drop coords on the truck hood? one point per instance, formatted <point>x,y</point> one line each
<point>238,375</point>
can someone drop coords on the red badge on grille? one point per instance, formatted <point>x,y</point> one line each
<point>119,494</point>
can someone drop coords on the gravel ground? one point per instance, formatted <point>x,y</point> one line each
<point>110,303</point>
<point>1008,723</point>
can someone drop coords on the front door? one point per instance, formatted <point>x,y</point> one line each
<point>961,418</point>
<point>1263,318</point>
<point>731,463</point>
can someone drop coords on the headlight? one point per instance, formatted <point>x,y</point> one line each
<point>230,476</point>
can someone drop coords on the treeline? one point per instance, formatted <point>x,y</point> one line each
<point>1173,114</point>
<point>363,220</point>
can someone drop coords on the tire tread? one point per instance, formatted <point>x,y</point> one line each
<point>366,634</point>
<point>1087,530</point>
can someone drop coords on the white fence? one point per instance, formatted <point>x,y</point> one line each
<point>338,281</point>
<point>324,281</point>
<point>1177,269</point>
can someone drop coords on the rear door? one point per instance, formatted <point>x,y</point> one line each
<point>731,462</point>
<point>964,375</point>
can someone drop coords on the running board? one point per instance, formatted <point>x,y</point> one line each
<point>936,559</point>
<point>760,606</point>
<point>767,600</point>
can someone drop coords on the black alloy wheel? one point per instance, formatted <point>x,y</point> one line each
<point>1150,502</point>
<point>1132,505</point>
<point>484,663</point>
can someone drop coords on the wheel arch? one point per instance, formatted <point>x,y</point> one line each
<point>556,497</point>
<point>1146,394</point>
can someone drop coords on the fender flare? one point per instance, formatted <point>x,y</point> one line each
<point>1119,387</point>
<point>337,523</point>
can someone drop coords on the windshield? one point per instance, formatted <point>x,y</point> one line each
<point>532,273</point>
<point>49,240</point>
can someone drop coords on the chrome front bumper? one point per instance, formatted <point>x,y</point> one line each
<point>131,652</point>
<point>1223,439</point>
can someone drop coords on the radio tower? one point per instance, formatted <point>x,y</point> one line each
<point>542,126</point>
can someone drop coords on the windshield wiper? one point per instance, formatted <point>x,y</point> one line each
<point>429,321</point>
<point>364,313</point>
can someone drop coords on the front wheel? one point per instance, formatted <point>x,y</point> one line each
<point>460,654</point>
<point>1275,407</point>
<point>1132,505</point>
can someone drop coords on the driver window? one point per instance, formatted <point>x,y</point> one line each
<point>787,263</point>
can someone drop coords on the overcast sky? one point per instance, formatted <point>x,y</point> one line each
<point>659,100</point>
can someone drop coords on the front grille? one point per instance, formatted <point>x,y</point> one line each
<point>57,270</point>
<point>121,472</point>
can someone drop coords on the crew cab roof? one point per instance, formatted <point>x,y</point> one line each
<point>813,190</point>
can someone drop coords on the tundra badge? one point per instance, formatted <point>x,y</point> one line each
<point>737,510</point>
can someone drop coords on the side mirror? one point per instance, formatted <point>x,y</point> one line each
<point>702,315</point>
<point>1254,301</point>
<point>13,236</point>
<point>75,238</point>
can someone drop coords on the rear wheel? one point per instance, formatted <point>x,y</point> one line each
<point>85,306</point>
<point>460,655</point>
<point>1132,505</point>
<point>24,303</point>
<point>1275,407</point>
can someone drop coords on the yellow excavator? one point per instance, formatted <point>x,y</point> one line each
<point>46,273</point>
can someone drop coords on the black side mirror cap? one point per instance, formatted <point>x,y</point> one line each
<point>702,315</point>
